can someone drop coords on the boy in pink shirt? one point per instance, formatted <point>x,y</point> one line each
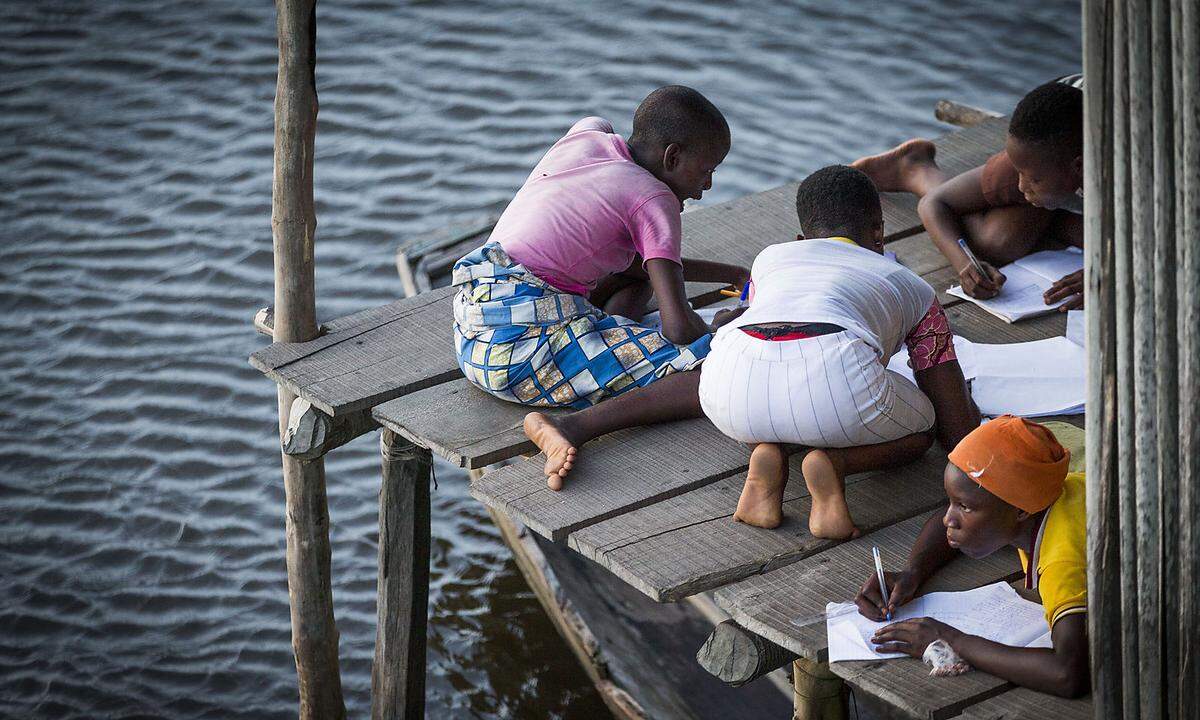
<point>547,310</point>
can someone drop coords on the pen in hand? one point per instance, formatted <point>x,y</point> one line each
<point>883,591</point>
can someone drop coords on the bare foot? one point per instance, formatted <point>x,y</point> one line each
<point>829,517</point>
<point>550,439</point>
<point>900,168</point>
<point>761,503</point>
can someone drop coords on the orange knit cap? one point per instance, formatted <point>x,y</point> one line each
<point>1016,460</point>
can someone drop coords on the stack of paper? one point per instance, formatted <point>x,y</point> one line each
<point>1030,379</point>
<point>1026,282</point>
<point>995,612</point>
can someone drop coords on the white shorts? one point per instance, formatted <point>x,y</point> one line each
<point>825,391</point>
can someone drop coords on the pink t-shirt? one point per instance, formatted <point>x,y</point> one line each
<point>586,210</point>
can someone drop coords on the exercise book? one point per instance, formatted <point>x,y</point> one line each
<point>1026,282</point>
<point>995,612</point>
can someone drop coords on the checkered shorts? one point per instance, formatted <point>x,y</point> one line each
<point>524,341</point>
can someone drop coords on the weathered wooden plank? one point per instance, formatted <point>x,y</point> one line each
<point>690,543</point>
<point>369,357</point>
<point>615,474</point>
<point>977,325</point>
<point>787,605</point>
<point>905,686</point>
<point>460,422</point>
<point>961,114</point>
<point>918,253</point>
<point>1019,703</point>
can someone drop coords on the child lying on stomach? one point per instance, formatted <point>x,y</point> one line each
<point>1008,486</point>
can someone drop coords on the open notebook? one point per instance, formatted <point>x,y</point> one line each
<point>995,612</point>
<point>1027,280</point>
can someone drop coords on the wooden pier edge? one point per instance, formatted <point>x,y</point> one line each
<point>293,225</point>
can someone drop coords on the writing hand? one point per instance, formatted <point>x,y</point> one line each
<point>978,285</point>
<point>901,588</point>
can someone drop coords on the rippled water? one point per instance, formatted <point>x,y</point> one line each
<point>141,541</point>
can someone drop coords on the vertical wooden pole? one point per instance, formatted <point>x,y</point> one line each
<point>1103,501</point>
<point>293,225</point>
<point>1142,102</point>
<point>1166,356</point>
<point>1144,439</point>
<point>818,694</point>
<point>1185,34</point>
<point>398,676</point>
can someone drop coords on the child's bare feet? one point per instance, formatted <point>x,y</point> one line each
<point>900,168</point>
<point>829,517</point>
<point>761,503</point>
<point>550,439</point>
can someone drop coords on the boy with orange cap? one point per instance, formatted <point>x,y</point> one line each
<point>1008,485</point>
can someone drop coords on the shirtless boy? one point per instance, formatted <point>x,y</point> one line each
<point>1008,487</point>
<point>1028,193</point>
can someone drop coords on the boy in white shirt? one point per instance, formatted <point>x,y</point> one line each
<point>806,364</point>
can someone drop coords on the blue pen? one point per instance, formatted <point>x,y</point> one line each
<point>882,584</point>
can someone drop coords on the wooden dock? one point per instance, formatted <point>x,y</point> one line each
<point>654,505</point>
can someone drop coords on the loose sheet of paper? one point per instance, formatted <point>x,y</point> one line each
<point>995,612</point>
<point>1031,379</point>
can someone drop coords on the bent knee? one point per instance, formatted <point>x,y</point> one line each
<point>1002,235</point>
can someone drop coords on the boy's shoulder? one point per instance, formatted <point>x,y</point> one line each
<point>1000,182</point>
<point>592,123</point>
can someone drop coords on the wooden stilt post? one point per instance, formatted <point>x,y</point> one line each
<point>293,225</point>
<point>1142,182</point>
<point>818,694</point>
<point>398,677</point>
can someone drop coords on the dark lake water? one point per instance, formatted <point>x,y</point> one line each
<point>141,526</point>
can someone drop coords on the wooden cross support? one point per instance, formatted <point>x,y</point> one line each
<point>737,656</point>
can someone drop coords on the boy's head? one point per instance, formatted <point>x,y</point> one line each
<point>680,137</point>
<point>841,201</point>
<point>1045,144</point>
<point>999,475</point>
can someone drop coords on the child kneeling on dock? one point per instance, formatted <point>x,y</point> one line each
<point>547,310</point>
<point>806,363</point>
<point>1009,486</point>
<point>1026,193</point>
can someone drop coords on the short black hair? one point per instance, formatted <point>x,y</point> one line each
<point>680,115</point>
<point>1050,115</point>
<point>835,199</point>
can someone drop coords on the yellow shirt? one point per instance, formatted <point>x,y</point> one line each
<point>1060,553</point>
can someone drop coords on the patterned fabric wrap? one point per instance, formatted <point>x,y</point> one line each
<point>931,342</point>
<point>524,341</point>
